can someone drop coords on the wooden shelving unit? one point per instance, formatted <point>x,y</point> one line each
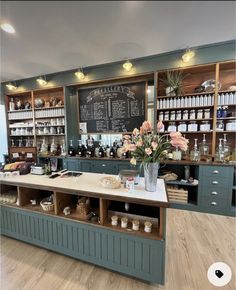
<point>22,123</point>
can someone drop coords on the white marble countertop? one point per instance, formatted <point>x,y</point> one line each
<point>90,183</point>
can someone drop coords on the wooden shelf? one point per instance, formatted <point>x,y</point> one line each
<point>50,135</point>
<point>186,95</point>
<point>226,91</point>
<point>183,108</point>
<point>50,126</point>
<point>225,131</point>
<point>49,108</point>
<point>227,118</point>
<point>20,111</point>
<point>188,120</point>
<point>179,182</point>
<point>50,117</point>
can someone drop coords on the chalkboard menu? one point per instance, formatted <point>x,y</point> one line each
<point>112,108</point>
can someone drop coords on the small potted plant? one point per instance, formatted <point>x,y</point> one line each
<point>173,83</point>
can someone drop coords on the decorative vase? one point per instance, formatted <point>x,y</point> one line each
<point>150,175</point>
<point>170,92</point>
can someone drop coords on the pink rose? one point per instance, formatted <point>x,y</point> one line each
<point>126,137</point>
<point>135,132</point>
<point>141,131</point>
<point>139,143</point>
<point>154,145</point>
<point>147,126</point>
<point>159,125</point>
<point>174,135</point>
<point>148,151</point>
<point>132,147</point>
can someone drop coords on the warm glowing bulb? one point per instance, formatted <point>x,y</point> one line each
<point>127,65</point>
<point>148,91</point>
<point>188,55</point>
<point>11,87</point>
<point>42,81</point>
<point>8,28</point>
<point>80,75</point>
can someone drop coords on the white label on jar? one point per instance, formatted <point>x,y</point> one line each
<point>15,155</point>
<point>29,155</point>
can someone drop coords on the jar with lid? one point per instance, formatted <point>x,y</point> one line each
<point>205,126</point>
<point>192,115</point>
<point>231,125</point>
<point>192,126</point>
<point>148,227</point>
<point>178,115</point>
<point>219,125</point>
<point>161,116</point>
<point>207,114</point>
<point>200,114</point>
<point>166,116</point>
<point>114,220</point>
<point>182,127</point>
<point>171,127</point>
<point>185,115</point>
<point>135,225</point>
<point>172,115</point>
<point>224,112</point>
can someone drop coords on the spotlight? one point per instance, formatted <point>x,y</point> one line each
<point>188,55</point>
<point>42,81</point>
<point>11,87</point>
<point>127,65</point>
<point>80,74</point>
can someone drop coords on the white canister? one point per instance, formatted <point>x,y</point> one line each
<point>200,114</point>
<point>205,126</point>
<point>231,125</point>
<point>171,127</point>
<point>178,115</point>
<point>171,103</point>
<point>197,101</point>
<point>148,227</point>
<point>206,113</point>
<point>209,100</point>
<point>166,116</point>
<point>185,115</point>
<point>161,116</point>
<point>192,126</point>
<point>201,102</point>
<point>160,104</point>
<point>182,102</point>
<point>124,222</point>
<point>182,127</point>
<point>114,220</point>
<point>172,115</point>
<point>192,115</point>
<point>167,103</point>
<point>135,225</point>
<point>193,101</point>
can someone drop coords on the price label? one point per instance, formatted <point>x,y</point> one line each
<point>15,155</point>
<point>29,155</point>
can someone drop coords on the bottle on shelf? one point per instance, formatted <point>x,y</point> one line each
<point>101,151</point>
<point>63,149</point>
<point>220,155</point>
<point>195,153</point>
<point>112,153</point>
<point>53,148</point>
<point>11,105</point>
<point>204,147</point>
<point>80,149</point>
<point>71,149</point>
<point>226,147</point>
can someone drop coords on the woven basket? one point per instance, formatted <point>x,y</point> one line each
<point>83,207</point>
<point>46,207</point>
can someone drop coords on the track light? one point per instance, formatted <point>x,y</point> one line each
<point>80,74</point>
<point>127,65</point>
<point>7,27</point>
<point>11,87</point>
<point>42,80</point>
<point>188,55</point>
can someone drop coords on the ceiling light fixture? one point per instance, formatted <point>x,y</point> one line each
<point>42,80</point>
<point>80,74</point>
<point>127,65</point>
<point>7,27</point>
<point>11,86</point>
<point>188,55</point>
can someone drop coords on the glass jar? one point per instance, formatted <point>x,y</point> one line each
<point>166,116</point>
<point>114,220</point>
<point>207,114</point>
<point>205,126</point>
<point>182,127</point>
<point>177,154</point>
<point>185,115</point>
<point>161,116</point>
<point>171,127</point>
<point>231,125</point>
<point>172,115</point>
<point>200,114</point>
<point>224,112</point>
<point>219,125</point>
<point>192,126</point>
<point>192,115</point>
<point>178,115</point>
<point>135,225</point>
<point>148,227</point>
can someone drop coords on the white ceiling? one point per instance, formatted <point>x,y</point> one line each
<point>61,35</point>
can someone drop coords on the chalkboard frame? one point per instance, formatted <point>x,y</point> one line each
<point>110,83</point>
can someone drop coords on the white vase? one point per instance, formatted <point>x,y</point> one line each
<point>150,175</point>
<point>170,92</point>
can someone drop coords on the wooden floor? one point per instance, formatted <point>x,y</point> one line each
<point>194,242</point>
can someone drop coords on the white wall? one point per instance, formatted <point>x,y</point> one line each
<point>3,133</point>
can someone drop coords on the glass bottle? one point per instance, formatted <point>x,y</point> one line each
<point>80,149</point>
<point>195,153</point>
<point>11,105</point>
<point>53,148</point>
<point>204,147</point>
<point>63,149</point>
<point>220,156</point>
<point>112,152</point>
<point>101,151</point>
<point>71,149</point>
<point>226,147</point>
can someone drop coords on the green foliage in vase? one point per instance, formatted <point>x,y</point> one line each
<point>174,80</point>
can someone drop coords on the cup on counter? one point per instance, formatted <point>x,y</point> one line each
<point>148,227</point>
<point>135,225</point>
<point>114,220</point>
<point>124,222</point>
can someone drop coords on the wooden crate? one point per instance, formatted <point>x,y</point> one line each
<point>177,195</point>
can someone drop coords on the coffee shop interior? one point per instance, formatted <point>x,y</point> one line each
<point>117,145</point>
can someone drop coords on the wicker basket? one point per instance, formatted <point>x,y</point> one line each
<point>46,207</point>
<point>83,207</point>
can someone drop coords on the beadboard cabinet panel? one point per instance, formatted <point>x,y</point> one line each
<point>135,256</point>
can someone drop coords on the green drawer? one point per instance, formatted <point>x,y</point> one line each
<point>214,182</point>
<point>217,171</point>
<point>106,167</point>
<point>214,204</point>
<point>215,192</point>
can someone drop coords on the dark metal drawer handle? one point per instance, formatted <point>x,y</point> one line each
<point>213,203</point>
<point>214,193</point>
<point>215,171</point>
<point>215,182</point>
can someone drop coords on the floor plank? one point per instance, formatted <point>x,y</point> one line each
<point>194,242</point>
